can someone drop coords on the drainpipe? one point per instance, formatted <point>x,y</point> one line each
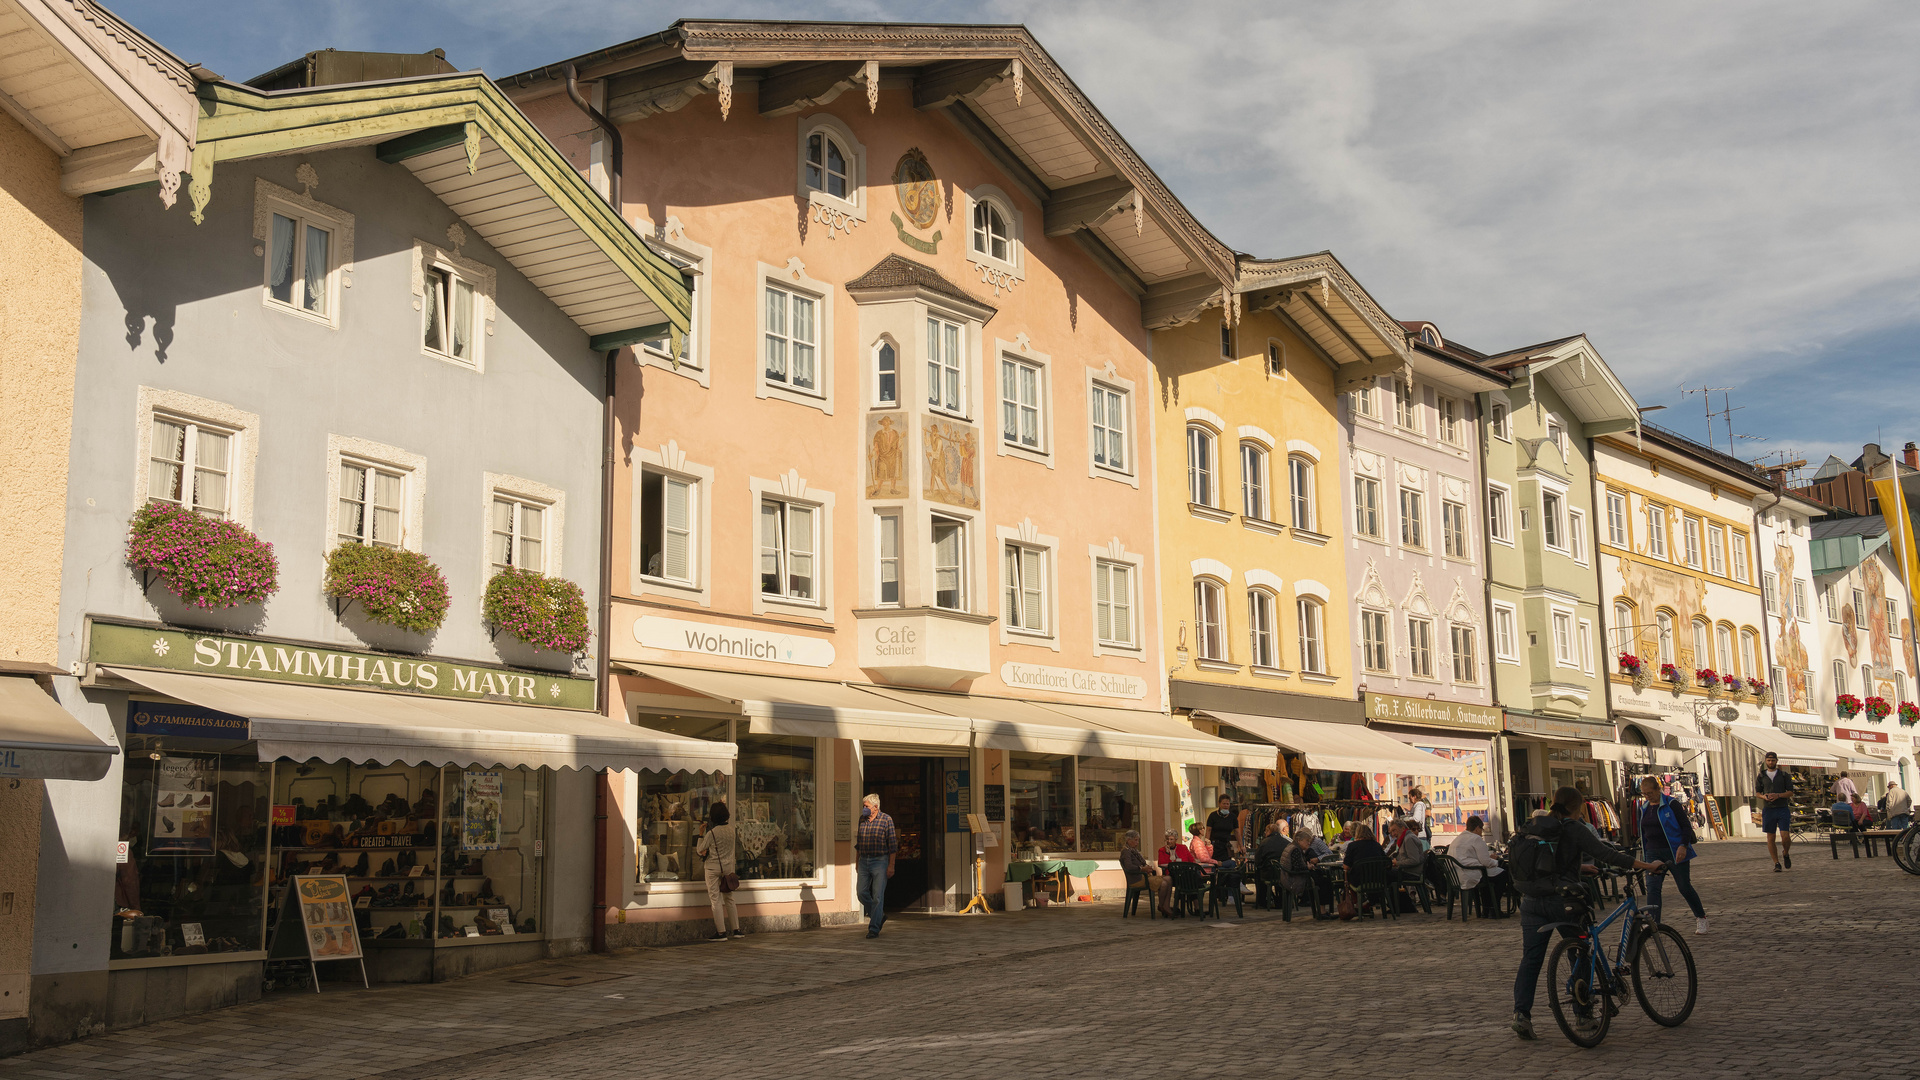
<point>1500,768</point>
<point>603,793</point>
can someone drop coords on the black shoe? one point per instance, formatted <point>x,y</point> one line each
<point>739,933</point>
<point>1523,1026</point>
<point>717,935</point>
<point>871,934</point>
<point>1776,868</point>
<point>1788,859</point>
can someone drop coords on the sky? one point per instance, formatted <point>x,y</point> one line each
<point>1716,194</point>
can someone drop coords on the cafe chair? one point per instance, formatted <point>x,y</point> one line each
<point>1136,887</point>
<point>1450,874</point>
<point>1374,881</point>
<point>1226,886</point>
<point>1414,884</point>
<point>1189,888</point>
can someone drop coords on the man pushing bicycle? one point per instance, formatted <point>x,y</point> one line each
<point>1545,862</point>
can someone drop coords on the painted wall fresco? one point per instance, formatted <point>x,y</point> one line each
<point>886,457</point>
<point>1789,652</point>
<point>952,456</point>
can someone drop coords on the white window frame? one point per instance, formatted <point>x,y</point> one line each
<point>669,459</point>
<point>345,449</point>
<point>1205,437</point>
<point>1840,673</point>
<point>1406,409</point>
<point>1770,592</point>
<point>1276,358</point>
<point>997,271</point>
<point>1455,538</point>
<point>1802,608</point>
<point>1562,623</point>
<point>1368,484</point>
<point>1303,507</point>
<point>695,364</point>
<point>1656,530</point>
<point>1263,642</point>
<point>785,550</point>
<point>1012,394</point>
<point>1663,650</point>
<point>1859,609</point>
<point>875,373</point>
<point>1210,634</point>
<point>270,199</point>
<point>1413,527</point>
<point>1619,533</point>
<point>1586,646</point>
<point>963,571</point>
<point>1625,633</point>
<point>198,414</point>
<point>696,535</point>
<point>1742,570</point>
<point>1311,615</point>
<point>1830,597</point>
<point>1553,520</point>
<point>947,370</point>
<point>1497,421</point>
<point>1110,559</point>
<point>370,507</point>
<point>1577,534</point>
<point>885,519</point>
<point>1025,576</point>
<point>1366,401</point>
<point>1893,616</point>
<point>1026,537</point>
<point>1724,660</point>
<point>1380,648</point>
<point>1420,647</point>
<point>1749,652</point>
<point>1690,541</point>
<point>1256,481</point>
<point>836,213</point>
<point>1104,387</point>
<point>793,278</point>
<point>1499,513</point>
<point>485,281</point>
<point>1716,550</point>
<point>514,492</point>
<point>791,488</point>
<point>1451,424</point>
<point>1506,633</point>
<point>1467,657</point>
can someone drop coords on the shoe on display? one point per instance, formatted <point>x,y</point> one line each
<point>1700,926</point>
<point>1523,1026</point>
<point>386,869</point>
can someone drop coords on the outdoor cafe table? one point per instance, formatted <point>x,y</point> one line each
<point>1062,871</point>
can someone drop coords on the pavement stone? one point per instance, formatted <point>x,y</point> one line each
<point>1078,991</point>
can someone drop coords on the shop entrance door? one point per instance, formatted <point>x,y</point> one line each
<point>908,788</point>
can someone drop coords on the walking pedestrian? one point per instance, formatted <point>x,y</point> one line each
<point>1844,789</point>
<point>1666,835</point>
<point>717,848</point>
<point>1899,806</point>
<point>1774,785</point>
<point>1544,891</point>
<point>874,846</point>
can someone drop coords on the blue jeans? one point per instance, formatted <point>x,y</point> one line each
<point>1897,821</point>
<point>1682,875</point>
<point>871,888</point>
<point>1536,912</point>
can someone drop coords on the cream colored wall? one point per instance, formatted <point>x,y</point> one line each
<point>1190,373</point>
<point>39,336</point>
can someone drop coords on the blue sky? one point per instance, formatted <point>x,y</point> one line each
<point>1717,194</point>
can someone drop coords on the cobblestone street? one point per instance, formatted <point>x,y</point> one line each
<point>1804,973</point>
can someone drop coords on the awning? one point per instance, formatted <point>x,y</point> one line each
<point>39,740</point>
<point>1686,739</point>
<point>1640,755</point>
<point>1142,725</point>
<point>815,709</point>
<point>1340,747</point>
<point>1817,754</point>
<point>1854,761</point>
<point>1085,731</point>
<point>326,724</point>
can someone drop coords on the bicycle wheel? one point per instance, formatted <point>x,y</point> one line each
<point>1663,977</point>
<point>1582,1005</point>
<point>1906,849</point>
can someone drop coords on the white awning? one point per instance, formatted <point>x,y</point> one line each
<point>1684,737</point>
<point>326,724</point>
<point>1853,761</point>
<point>1199,747</point>
<point>1085,731</point>
<point>1640,755</point>
<point>815,709</point>
<point>1340,747</point>
<point>39,740</point>
<point>1814,753</point>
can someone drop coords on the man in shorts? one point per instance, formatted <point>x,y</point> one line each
<point>1774,785</point>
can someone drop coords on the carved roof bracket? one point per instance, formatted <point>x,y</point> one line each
<point>791,88</point>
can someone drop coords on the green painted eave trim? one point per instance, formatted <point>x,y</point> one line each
<point>425,141</point>
<point>620,339</point>
<point>238,122</point>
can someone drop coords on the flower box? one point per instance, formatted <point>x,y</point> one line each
<point>1909,713</point>
<point>393,586</point>
<point>545,612</point>
<point>1847,706</point>
<point>1670,673</point>
<point>207,562</point>
<point>1629,664</point>
<point>1877,707</point>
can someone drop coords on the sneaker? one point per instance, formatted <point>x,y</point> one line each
<point>1788,859</point>
<point>717,936</point>
<point>742,933</point>
<point>1699,926</point>
<point>1776,868</point>
<point>1523,1026</point>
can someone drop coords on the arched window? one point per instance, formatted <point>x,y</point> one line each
<point>1723,648</point>
<point>1750,653</point>
<point>1253,481</point>
<point>1209,619</point>
<point>1201,463</point>
<point>1300,484</point>
<point>886,374</point>
<point>827,165</point>
<point>1624,632</point>
<point>992,235</point>
<point>1313,653</point>
<point>1262,636</point>
<point>1663,621</point>
<point>1702,645</point>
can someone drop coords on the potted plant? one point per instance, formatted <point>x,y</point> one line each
<point>1762,693</point>
<point>1909,714</point>
<point>545,612</point>
<point>1710,679</point>
<point>1735,688</point>
<point>393,586</point>
<point>1632,667</point>
<point>1847,706</point>
<point>207,562</point>
<point>1877,707</point>
<point>1670,673</point>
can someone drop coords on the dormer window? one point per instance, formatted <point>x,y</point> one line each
<point>1429,337</point>
<point>827,165</point>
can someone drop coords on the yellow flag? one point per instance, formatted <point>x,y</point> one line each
<point>1899,527</point>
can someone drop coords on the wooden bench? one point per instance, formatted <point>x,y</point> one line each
<point>1883,836</point>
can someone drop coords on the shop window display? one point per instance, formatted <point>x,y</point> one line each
<point>673,808</point>
<point>1040,801</point>
<point>773,810</point>
<point>193,816</point>
<point>1109,800</point>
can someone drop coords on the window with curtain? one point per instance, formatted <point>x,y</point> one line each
<point>1113,603</point>
<point>1108,409</point>
<point>299,264</point>
<point>1262,643</point>
<point>370,505</point>
<point>1200,465</point>
<point>792,339</point>
<point>1420,648</point>
<point>1209,619</point>
<point>946,368</point>
<point>789,538</point>
<point>447,314</point>
<point>666,526</point>
<point>1020,389</point>
<point>190,464</point>
<point>1026,601</point>
<point>1313,653</point>
<point>519,534</point>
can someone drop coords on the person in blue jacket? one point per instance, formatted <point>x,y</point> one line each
<point>1666,835</point>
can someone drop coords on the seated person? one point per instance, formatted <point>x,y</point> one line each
<point>1363,846</point>
<point>1862,812</point>
<point>1140,872</point>
<point>1409,852</point>
<point>1175,851</point>
<point>1842,812</point>
<point>1303,870</point>
<point>1476,860</point>
<point>1273,848</point>
<point>1202,846</point>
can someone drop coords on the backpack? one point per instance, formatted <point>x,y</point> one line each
<point>1537,858</point>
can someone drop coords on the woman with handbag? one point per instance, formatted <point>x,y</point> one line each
<point>716,846</point>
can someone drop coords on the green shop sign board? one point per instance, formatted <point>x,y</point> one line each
<point>117,645</point>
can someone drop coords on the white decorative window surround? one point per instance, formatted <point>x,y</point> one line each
<point>1115,427</point>
<point>302,210</point>
<point>1026,537</point>
<point>1264,579</point>
<point>1506,630</point>
<point>888,372</point>
<point>839,213</point>
<point>243,448</point>
<point>431,261</point>
<point>793,278</point>
<point>1499,513</point>
<point>1121,569</point>
<point>1207,417</point>
<point>1309,587</point>
<point>792,488</point>
<point>1259,435</point>
<point>549,500</point>
<point>1302,446</point>
<point>1212,568</point>
<point>695,352</point>
<point>996,238</point>
<point>1023,397</point>
<point>347,449</point>
<point>669,462</point>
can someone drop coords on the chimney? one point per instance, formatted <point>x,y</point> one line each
<point>1911,455</point>
<point>1777,474</point>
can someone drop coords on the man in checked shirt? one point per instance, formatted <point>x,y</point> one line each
<point>874,846</point>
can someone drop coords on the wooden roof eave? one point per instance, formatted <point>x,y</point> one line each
<point>239,122</point>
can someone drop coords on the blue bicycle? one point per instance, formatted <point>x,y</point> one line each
<point>1583,981</point>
